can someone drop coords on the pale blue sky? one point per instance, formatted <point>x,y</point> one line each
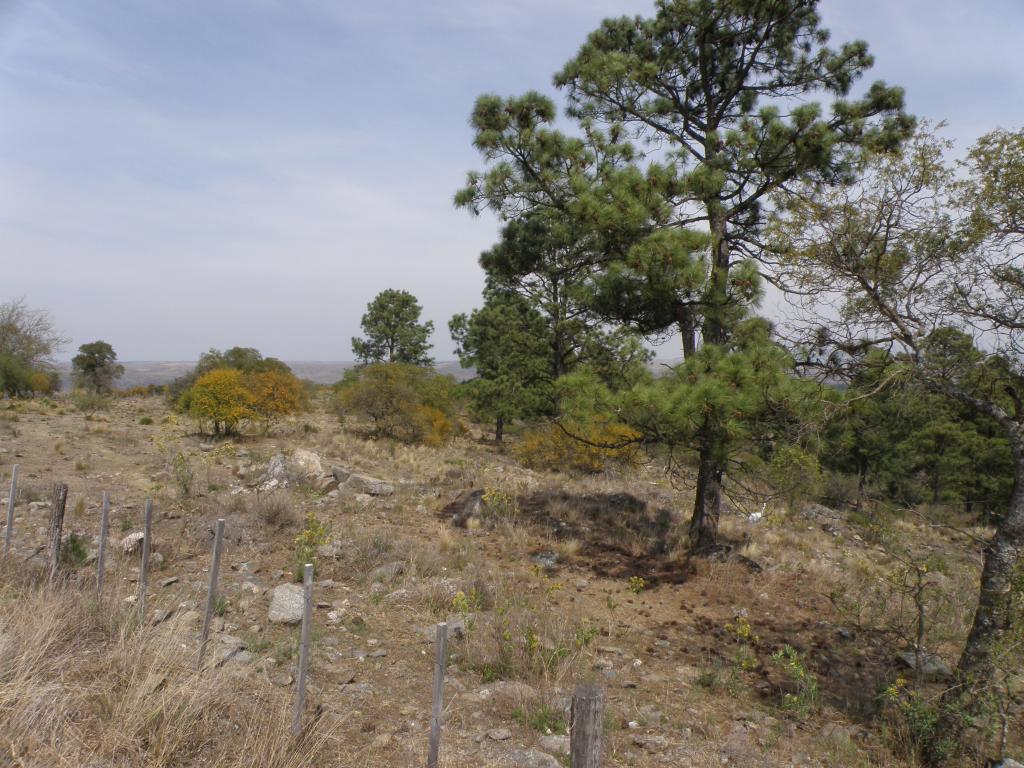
<point>181,174</point>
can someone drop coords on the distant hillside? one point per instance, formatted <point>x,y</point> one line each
<point>143,373</point>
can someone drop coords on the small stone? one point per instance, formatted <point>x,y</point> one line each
<point>499,734</point>
<point>650,743</point>
<point>556,744</point>
<point>533,758</point>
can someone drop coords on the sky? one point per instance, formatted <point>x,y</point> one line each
<point>177,175</point>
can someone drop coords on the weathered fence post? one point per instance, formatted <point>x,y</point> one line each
<point>307,622</point>
<point>60,500</point>
<point>144,570</point>
<point>10,509</point>
<point>586,722</point>
<point>211,594</point>
<point>101,556</point>
<point>436,709</point>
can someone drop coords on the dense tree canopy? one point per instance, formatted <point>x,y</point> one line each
<point>506,341</point>
<point>393,331</point>
<point>725,89</point>
<point>909,260</point>
<point>95,367</point>
<point>28,341</point>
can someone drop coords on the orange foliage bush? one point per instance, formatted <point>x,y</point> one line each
<point>220,398</point>
<point>601,445</point>
<point>275,394</point>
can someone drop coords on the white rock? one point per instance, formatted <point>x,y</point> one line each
<point>286,604</point>
<point>132,542</point>
<point>305,463</point>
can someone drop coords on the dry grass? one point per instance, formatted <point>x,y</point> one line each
<point>81,684</point>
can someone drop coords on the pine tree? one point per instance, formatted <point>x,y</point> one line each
<point>393,331</point>
<point>725,88</point>
<point>507,342</point>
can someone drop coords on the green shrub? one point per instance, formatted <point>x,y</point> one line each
<point>405,402</point>
<point>314,534</point>
<point>183,474</point>
<point>803,699</point>
<point>88,402</point>
<point>74,551</point>
<point>795,474</point>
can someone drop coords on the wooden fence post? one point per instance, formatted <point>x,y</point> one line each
<point>60,500</point>
<point>437,706</point>
<point>101,556</point>
<point>585,724</point>
<point>10,510</point>
<point>307,621</point>
<point>144,570</point>
<point>211,593</point>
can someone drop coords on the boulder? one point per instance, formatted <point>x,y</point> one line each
<point>555,744</point>
<point>286,604</point>
<point>547,561</point>
<point>466,511</point>
<point>277,467</point>
<point>511,692</point>
<point>932,667</point>
<point>132,543</point>
<point>814,511</point>
<point>356,484</point>
<point>300,465</point>
<point>387,572</point>
<point>305,463</point>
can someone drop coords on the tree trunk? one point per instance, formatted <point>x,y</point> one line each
<point>499,429</point>
<point>862,477</point>
<point>991,632</point>
<point>992,618</point>
<point>687,329</point>
<point>707,504</point>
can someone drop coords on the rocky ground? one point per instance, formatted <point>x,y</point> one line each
<point>546,581</point>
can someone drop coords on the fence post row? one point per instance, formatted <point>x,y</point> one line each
<point>211,594</point>
<point>10,509</point>
<point>587,714</point>
<point>144,570</point>
<point>60,500</point>
<point>307,621</point>
<point>437,708</point>
<point>585,724</point>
